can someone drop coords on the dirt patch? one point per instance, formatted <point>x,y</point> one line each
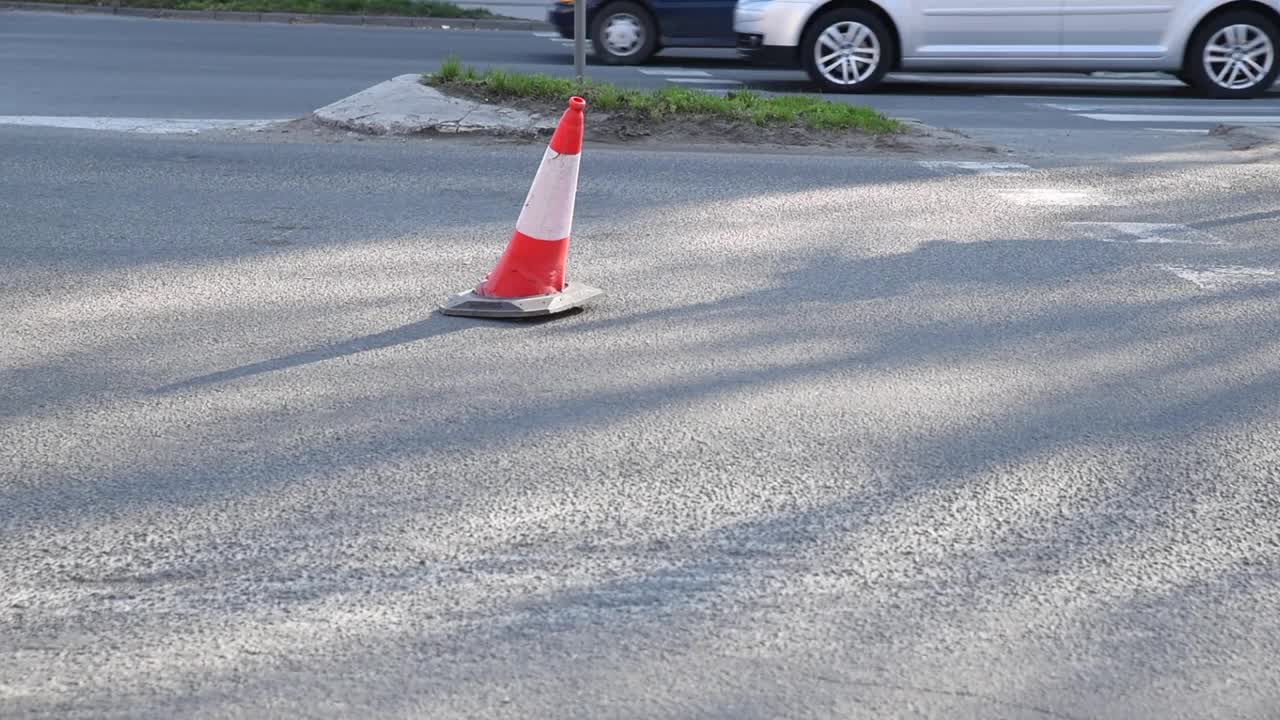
<point>1240,137</point>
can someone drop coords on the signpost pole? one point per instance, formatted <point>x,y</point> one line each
<point>580,38</point>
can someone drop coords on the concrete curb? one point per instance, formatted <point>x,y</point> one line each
<point>290,18</point>
<point>404,106</point>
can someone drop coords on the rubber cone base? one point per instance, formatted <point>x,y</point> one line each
<point>469,304</point>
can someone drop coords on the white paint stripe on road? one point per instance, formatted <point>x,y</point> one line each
<point>1054,197</point>
<point>1145,233</point>
<point>1216,119</point>
<point>674,72</point>
<point>544,34</point>
<point>1006,96</point>
<point>980,168</point>
<point>943,78</point>
<point>1162,107</point>
<point>704,81</point>
<point>1207,278</point>
<point>151,126</point>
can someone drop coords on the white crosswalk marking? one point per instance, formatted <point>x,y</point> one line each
<point>686,76</point>
<point>146,126</point>
<point>1145,233</point>
<point>683,76</point>
<point>1211,277</point>
<point>1180,113</point>
<point>1222,107</point>
<point>1214,119</point>
<point>674,72</point>
<point>704,81</point>
<point>1038,80</point>
<point>976,167</point>
<point>1055,197</point>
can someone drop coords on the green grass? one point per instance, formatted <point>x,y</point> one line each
<point>787,111</point>
<point>428,8</point>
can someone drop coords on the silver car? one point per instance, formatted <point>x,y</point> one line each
<point>1223,48</point>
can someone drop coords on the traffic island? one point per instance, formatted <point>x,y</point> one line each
<point>459,99</point>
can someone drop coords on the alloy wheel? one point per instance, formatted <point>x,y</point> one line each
<point>847,53</point>
<point>1238,57</point>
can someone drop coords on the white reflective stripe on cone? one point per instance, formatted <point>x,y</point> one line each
<point>548,209</point>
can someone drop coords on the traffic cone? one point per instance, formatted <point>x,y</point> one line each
<point>529,279</point>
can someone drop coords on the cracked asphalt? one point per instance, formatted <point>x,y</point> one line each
<point>846,438</point>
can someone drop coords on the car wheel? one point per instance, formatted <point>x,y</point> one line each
<point>848,51</point>
<point>624,33</point>
<point>1233,56</point>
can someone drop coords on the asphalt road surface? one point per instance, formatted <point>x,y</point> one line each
<point>57,65</point>
<point>847,437</point>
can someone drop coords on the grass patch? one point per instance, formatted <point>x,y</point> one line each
<point>410,8</point>
<point>669,102</point>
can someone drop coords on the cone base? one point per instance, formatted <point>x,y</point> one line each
<point>469,304</point>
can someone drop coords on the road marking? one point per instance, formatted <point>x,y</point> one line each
<point>1180,131</point>
<point>1217,119</point>
<point>1006,96</point>
<point>150,126</point>
<point>1160,107</point>
<point>979,168</point>
<point>1052,197</point>
<point>674,72</point>
<point>1146,233</point>
<point>547,34</point>
<point>1207,278</point>
<point>1085,80</point>
<point>704,81</point>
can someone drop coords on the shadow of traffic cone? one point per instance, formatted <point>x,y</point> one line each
<point>529,279</point>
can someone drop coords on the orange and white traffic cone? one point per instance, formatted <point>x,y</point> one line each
<point>529,279</point>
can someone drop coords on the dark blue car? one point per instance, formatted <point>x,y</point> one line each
<point>629,32</point>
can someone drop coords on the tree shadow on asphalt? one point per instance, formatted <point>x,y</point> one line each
<point>936,320</point>
<point>354,194</point>
<point>794,310</point>
<point>435,326</point>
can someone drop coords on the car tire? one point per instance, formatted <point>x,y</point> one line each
<point>857,48</point>
<point>624,33</point>
<point>1233,56</point>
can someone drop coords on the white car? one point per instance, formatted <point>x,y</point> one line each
<point>1223,48</point>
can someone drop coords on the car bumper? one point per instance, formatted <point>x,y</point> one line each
<point>769,24</point>
<point>752,48</point>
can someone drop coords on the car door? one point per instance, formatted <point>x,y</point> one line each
<point>977,30</point>
<point>704,23</point>
<point>1109,29</point>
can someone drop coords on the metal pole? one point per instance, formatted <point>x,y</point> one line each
<point>580,38</point>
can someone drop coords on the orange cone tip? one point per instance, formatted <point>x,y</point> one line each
<point>568,137</point>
